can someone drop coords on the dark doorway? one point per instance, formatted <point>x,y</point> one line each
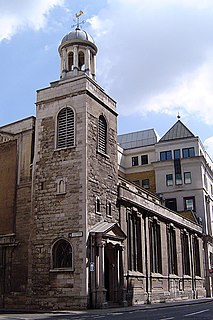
<point>111,273</point>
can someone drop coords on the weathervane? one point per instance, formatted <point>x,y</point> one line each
<point>77,20</point>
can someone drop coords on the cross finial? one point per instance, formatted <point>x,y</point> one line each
<point>77,20</point>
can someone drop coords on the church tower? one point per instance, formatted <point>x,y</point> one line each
<point>74,182</point>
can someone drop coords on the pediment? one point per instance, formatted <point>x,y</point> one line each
<point>108,230</point>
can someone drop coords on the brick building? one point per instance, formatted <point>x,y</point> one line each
<point>73,232</point>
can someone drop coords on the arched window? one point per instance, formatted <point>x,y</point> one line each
<point>102,134</point>
<point>197,268</point>
<point>172,250</point>
<point>98,205</point>
<point>62,255</point>
<point>70,61</point>
<point>81,62</point>
<point>185,253</point>
<point>66,128</point>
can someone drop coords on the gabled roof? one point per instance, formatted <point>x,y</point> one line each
<point>137,139</point>
<point>108,230</point>
<point>177,131</point>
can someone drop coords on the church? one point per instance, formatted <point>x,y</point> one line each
<point>79,227</point>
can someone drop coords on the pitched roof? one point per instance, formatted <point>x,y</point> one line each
<point>137,139</point>
<point>177,131</point>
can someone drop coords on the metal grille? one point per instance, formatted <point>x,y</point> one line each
<point>66,128</point>
<point>102,135</point>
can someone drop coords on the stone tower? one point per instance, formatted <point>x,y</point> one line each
<point>74,181</point>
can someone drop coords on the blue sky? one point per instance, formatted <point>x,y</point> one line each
<point>155,58</point>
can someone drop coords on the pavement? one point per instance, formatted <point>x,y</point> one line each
<point>112,309</point>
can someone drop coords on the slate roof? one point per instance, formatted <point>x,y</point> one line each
<point>177,131</point>
<point>137,139</point>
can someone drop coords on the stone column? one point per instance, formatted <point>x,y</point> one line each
<point>101,291</point>
<point>87,62</point>
<point>75,60</point>
<point>121,283</point>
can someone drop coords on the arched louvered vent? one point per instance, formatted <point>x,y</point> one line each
<point>102,134</point>
<point>66,128</point>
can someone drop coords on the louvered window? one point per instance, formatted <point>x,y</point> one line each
<point>66,128</point>
<point>102,135</point>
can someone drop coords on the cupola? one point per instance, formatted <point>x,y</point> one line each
<point>77,52</point>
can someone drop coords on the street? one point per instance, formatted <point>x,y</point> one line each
<point>194,311</point>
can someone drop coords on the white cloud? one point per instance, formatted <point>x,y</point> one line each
<point>192,94</point>
<point>208,143</point>
<point>18,14</point>
<point>156,56</point>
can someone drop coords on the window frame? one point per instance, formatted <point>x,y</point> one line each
<point>193,201</point>
<point>145,185</point>
<point>166,155</point>
<point>188,152</point>
<point>109,208</point>
<point>97,205</point>
<point>155,247</point>
<point>68,130</point>
<point>172,250</point>
<point>133,161</point>
<point>54,258</point>
<point>178,179</point>
<point>167,180</point>
<point>174,203</point>
<point>102,135</point>
<point>196,251</point>
<point>134,242</point>
<point>175,154</point>
<point>187,179</point>
<point>185,253</point>
<point>144,159</point>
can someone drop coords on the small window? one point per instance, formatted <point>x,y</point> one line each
<point>188,152</point>
<point>109,209</point>
<point>102,135</point>
<point>166,155</point>
<point>171,204</point>
<point>169,180</point>
<point>185,253</point>
<point>61,185</point>
<point>177,154</point>
<point>66,128</point>
<point>98,206</point>
<point>145,183</point>
<point>189,204</point>
<point>178,179</point>
<point>62,255</point>
<point>135,161</point>
<point>144,159</point>
<point>187,178</point>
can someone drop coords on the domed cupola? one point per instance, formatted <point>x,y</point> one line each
<point>77,51</point>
